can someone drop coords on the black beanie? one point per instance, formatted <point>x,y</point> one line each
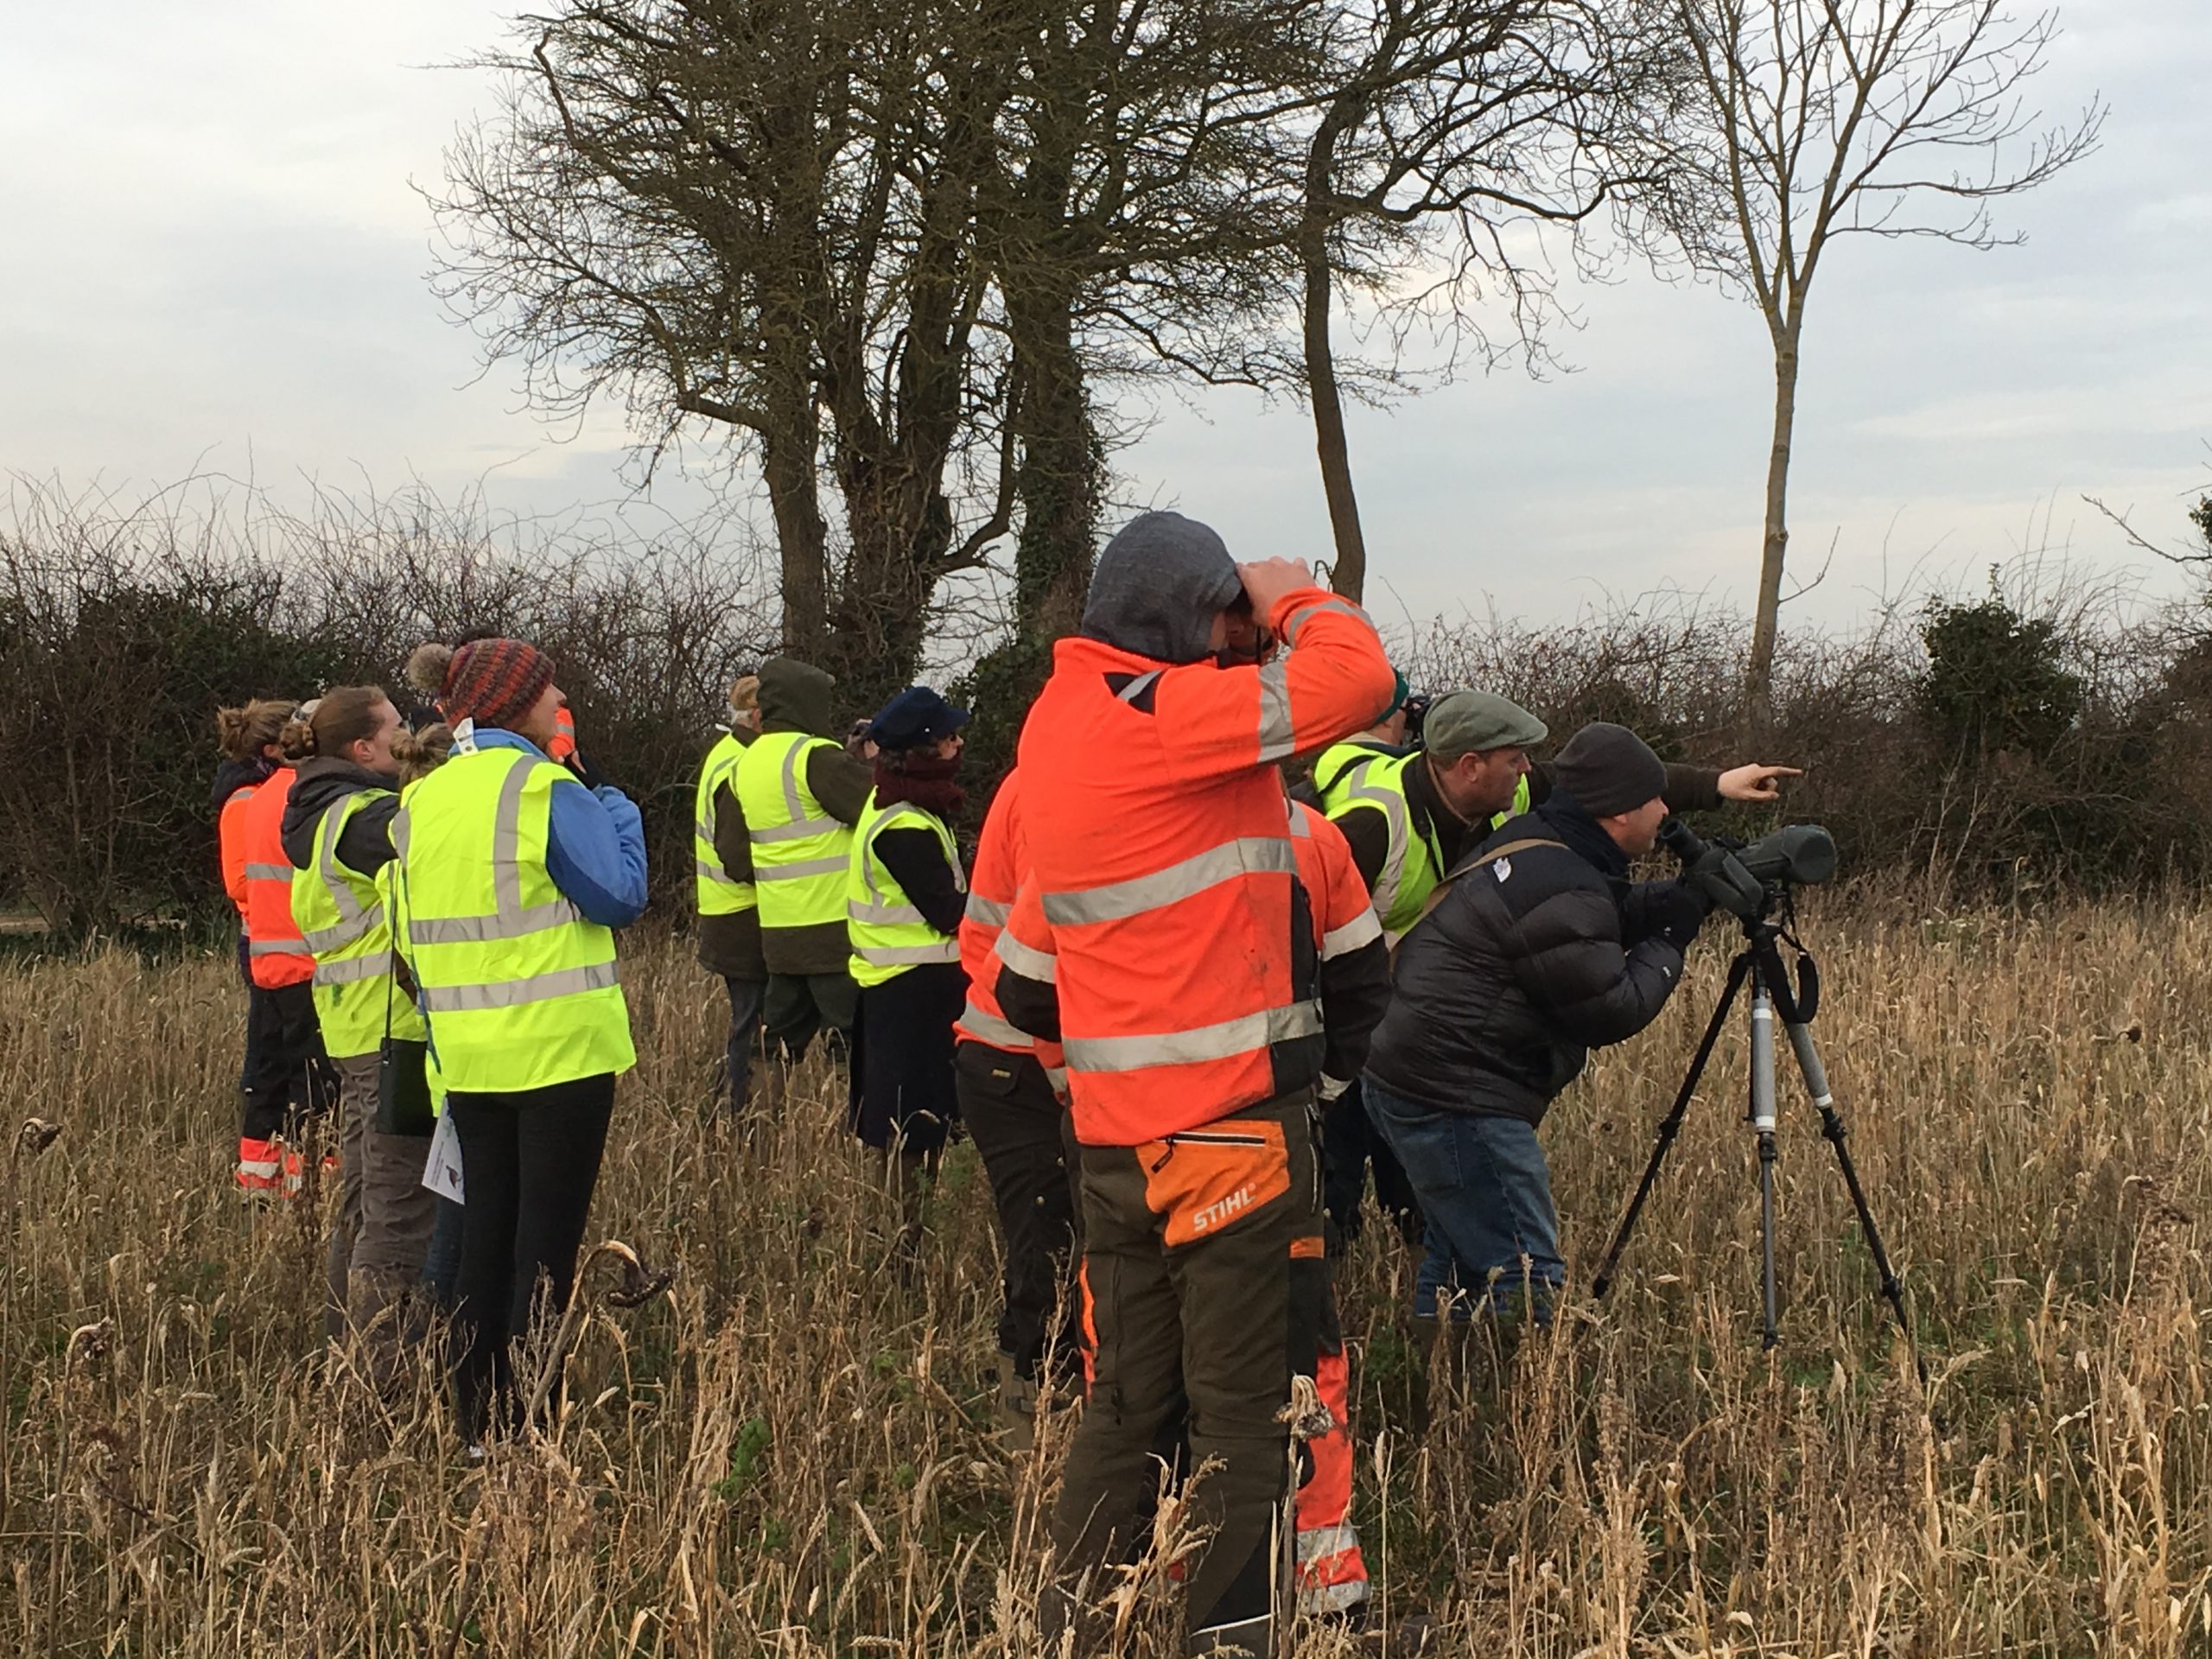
<point>1608,770</point>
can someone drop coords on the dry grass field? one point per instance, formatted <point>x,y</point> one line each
<point>791,1454</point>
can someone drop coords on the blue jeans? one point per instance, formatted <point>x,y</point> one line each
<point>1486,1191</point>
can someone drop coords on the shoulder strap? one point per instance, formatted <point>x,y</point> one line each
<point>1436,894</point>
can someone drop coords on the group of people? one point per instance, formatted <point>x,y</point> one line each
<point>1231,935</point>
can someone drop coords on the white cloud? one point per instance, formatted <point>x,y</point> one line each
<point>213,241</point>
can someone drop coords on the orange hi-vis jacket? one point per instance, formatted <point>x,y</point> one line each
<point>1162,899</point>
<point>230,843</point>
<point>993,883</point>
<point>275,954</point>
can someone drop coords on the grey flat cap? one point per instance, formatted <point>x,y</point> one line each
<point>1473,723</point>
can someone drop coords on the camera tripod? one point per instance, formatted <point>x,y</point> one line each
<point>1773,994</point>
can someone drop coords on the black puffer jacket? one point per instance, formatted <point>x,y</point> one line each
<point>1524,966</point>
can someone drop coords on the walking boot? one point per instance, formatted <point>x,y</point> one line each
<point>379,1306</point>
<point>906,1177</point>
<point>1015,1408</point>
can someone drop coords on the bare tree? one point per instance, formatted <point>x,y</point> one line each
<point>1443,123</point>
<point>757,214</point>
<point>1822,119</point>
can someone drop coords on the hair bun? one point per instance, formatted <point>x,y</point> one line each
<point>298,738</point>
<point>427,666</point>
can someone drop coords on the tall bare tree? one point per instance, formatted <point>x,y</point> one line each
<point>1442,123</point>
<point>1823,119</point>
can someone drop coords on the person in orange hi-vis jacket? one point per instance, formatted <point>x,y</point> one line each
<point>248,736</point>
<point>1010,1088</point>
<point>1163,936</point>
<point>292,1084</point>
<point>1354,980</point>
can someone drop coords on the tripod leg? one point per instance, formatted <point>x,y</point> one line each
<point>1672,1126</point>
<point>1761,1121</point>
<point>1832,1129</point>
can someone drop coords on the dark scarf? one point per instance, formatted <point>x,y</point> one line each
<point>1586,836</point>
<point>916,777</point>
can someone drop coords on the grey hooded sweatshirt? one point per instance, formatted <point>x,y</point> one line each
<point>1159,586</point>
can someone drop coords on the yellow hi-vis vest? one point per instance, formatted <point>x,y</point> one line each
<point>887,933</point>
<point>391,887</point>
<point>1341,766</point>
<point>719,893</point>
<point>799,852</point>
<point>341,915</point>
<point>521,990</point>
<point>1413,866</point>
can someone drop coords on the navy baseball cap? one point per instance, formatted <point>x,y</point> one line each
<point>917,715</point>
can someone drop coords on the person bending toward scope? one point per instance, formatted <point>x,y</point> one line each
<point>1539,949</point>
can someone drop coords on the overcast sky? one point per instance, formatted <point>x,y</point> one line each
<point>215,254</point>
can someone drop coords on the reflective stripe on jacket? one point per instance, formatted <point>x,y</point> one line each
<point>992,885</point>
<point>799,851</point>
<point>342,914</point>
<point>1162,898</point>
<point>719,893</point>
<point>888,934</point>
<point>522,992</point>
<point>277,955</point>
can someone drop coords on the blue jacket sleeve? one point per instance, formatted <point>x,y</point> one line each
<point>595,851</point>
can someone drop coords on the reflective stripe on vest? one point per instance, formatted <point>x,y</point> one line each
<point>1410,867</point>
<point>522,991</point>
<point>1338,770</point>
<point>277,954</point>
<point>799,851</point>
<point>341,913</point>
<point>717,893</point>
<point>888,934</point>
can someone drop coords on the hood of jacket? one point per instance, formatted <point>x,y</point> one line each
<point>795,697</point>
<point>1159,586</point>
<point>234,775</point>
<point>316,784</point>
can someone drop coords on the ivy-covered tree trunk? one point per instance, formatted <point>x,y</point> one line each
<point>1059,480</point>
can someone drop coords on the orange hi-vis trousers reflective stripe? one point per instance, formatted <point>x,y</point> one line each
<point>1331,1572</point>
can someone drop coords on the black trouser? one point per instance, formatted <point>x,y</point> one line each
<point>1018,1128</point>
<point>1349,1144</point>
<point>746,996</point>
<point>1188,1247</point>
<point>529,1162</point>
<point>796,1006</point>
<point>288,1080</point>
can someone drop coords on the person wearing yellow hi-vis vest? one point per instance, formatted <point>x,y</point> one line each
<point>798,795</point>
<point>1410,822</point>
<point>906,891</point>
<point>513,875</point>
<point>337,833</point>
<point>726,894</point>
<point>1337,769</point>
